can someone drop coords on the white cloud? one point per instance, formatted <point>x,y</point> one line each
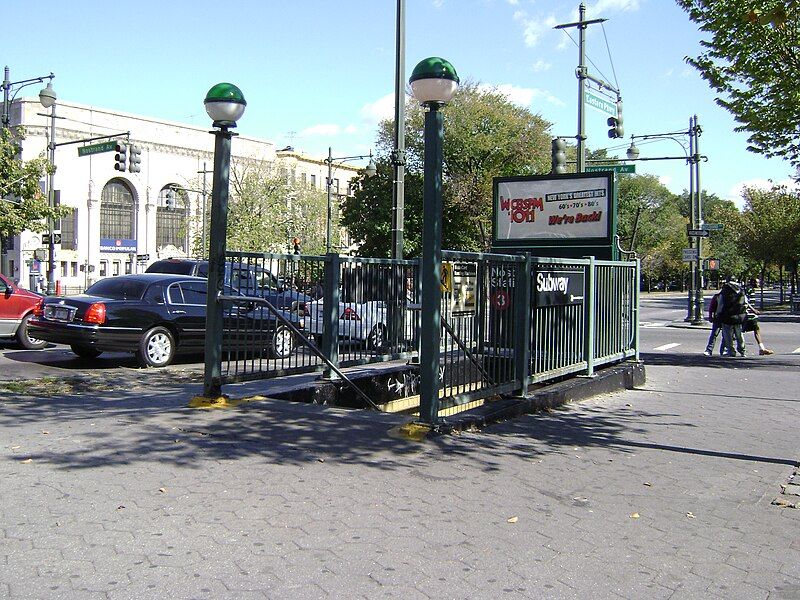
<point>665,180</point>
<point>323,129</point>
<point>735,192</point>
<point>611,5</point>
<point>513,2</point>
<point>541,65</point>
<point>351,129</point>
<point>381,109</point>
<point>533,28</point>
<point>520,96</point>
<point>668,73</point>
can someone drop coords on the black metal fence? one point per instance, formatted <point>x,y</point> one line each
<point>507,320</point>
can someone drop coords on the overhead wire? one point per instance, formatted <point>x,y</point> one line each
<point>589,58</point>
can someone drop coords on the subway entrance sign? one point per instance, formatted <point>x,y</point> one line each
<point>108,146</point>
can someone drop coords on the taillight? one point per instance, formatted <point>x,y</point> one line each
<point>96,313</point>
<point>348,314</point>
<point>38,310</point>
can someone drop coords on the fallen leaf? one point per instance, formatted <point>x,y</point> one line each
<point>45,432</point>
<point>15,447</point>
<point>120,507</point>
<point>320,460</point>
<point>634,515</point>
<point>162,490</point>
<point>27,460</point>
<point>513,519</point>
<point>690,515</point>
<point>648,484</point>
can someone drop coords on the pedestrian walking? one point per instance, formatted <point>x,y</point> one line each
<point>732,312</point>
<point>716,326</point>
<point>751,324</point>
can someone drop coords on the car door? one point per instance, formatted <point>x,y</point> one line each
<point>187,307</point>
<point>13,304</point>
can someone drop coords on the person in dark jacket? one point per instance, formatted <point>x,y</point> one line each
<point>715,326</point>
<point>732,312</point>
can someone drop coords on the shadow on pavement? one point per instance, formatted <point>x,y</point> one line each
<point>754,362</point>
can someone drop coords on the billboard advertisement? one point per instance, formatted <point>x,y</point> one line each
<point>552,208</point>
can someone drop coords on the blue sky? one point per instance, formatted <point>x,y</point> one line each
<point>319,73</point>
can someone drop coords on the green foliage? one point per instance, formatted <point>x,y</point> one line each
<point>485,136</point>
<point>752,59</point>
<point>770,226</point>
<point>651,224</point>
<point>23,206</point>
<point>265,211</point>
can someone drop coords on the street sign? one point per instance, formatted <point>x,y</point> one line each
<point>97,148</point>
<point>46,238</point>
<point>689,254</point>
<point>713,226</point>
<point>142,257</point>
<point>614,168</point>
<point>601,104</point>
<point>698,232</point>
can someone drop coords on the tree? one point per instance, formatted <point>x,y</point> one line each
<point>753,58</point>
<point>266,211</point>
<point>485,136</point>
<point>23,206</point>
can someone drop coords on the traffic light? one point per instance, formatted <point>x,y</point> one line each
<point>296,245</point>
<point>135,160</point>
<point>121,157</point>
<point>169,199</point>
<point>712,264</point>
<point>559,155</point>
<point>615,123</point>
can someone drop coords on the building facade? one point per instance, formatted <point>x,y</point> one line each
<point>121,220</point>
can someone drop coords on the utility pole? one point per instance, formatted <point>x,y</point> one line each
<point>698,298</point>
<point>399,153</point>
<point>582,74</point>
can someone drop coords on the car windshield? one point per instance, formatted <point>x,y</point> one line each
<point>118,289</point>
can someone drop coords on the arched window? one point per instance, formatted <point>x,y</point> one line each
<point>117,211</point>
<point>172,218</point>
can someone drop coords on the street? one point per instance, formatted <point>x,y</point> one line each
<point>660,492</point>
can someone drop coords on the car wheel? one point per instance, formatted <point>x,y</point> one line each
<point>376,340</point>
<point>156,348</point>
<point>26,341</point>
<point>282,344</point>
<point>85,351</point>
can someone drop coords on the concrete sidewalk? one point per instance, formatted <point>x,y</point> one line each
<point>662,492</point>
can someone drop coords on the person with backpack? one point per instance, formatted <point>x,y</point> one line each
<point>715,326</point>
<point>732,312</point>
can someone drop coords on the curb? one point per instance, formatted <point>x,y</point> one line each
<point>605,381</point>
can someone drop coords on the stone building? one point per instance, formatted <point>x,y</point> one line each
<point>121,220</point>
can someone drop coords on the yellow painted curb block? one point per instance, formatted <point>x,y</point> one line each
<point>414,431</point>
<point>221,401</point>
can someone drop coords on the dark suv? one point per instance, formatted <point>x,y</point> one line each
<point>250,280</point>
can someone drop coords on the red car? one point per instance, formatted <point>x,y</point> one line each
<point>16,309</point>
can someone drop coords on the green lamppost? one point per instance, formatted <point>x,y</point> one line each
<point>433,83</point>
<point>225,105</point>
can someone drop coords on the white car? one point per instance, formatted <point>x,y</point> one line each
<point>365,322</point>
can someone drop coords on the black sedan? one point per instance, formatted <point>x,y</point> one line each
<point>156,316</point>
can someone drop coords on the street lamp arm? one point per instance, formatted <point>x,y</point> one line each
<point>331,159</point>
<point>26,83</point>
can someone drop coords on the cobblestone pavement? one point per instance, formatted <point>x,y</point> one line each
<point>663,492</point>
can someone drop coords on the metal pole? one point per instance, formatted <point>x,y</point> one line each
<point>581,87</point>
<point>431,266</point>
<point>690,293</point>
<point>698,300</point>
<point>216,263</point>
<point>399,155</point>
<point>6,89</point>
<point>328,220</point>
<point>51,245</point>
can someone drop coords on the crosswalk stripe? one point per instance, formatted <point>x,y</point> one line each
<point>667,347</point>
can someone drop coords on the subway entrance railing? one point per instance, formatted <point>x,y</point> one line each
<point>508,321</point>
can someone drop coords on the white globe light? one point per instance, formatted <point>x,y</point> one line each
<point>434,90</point>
